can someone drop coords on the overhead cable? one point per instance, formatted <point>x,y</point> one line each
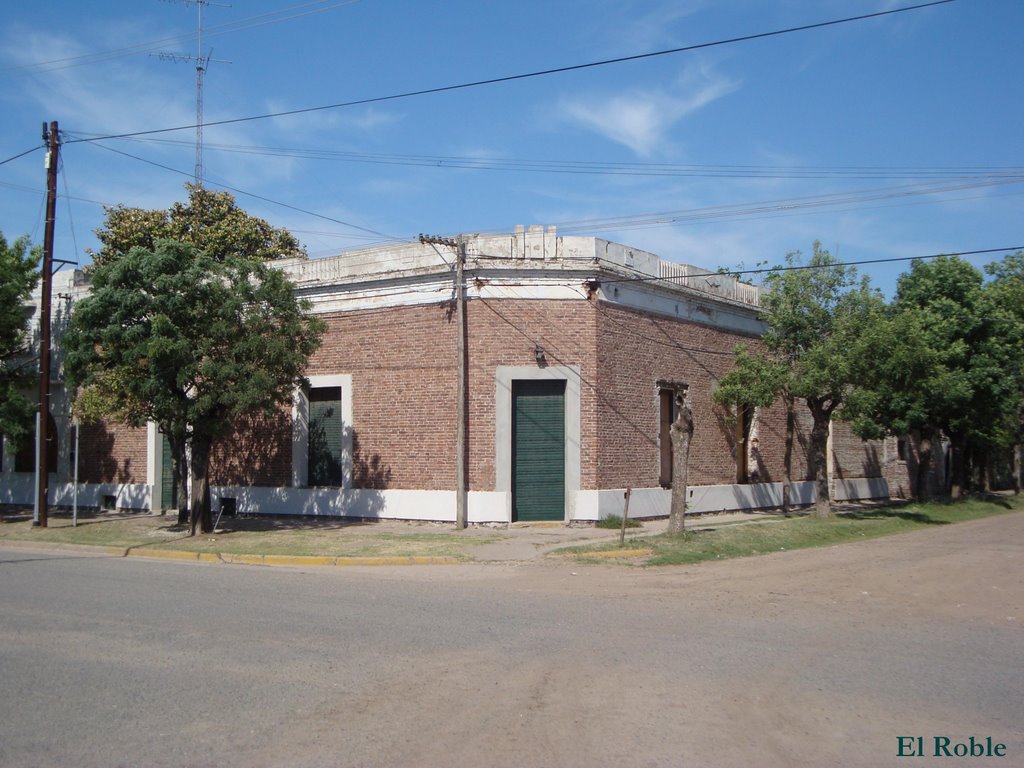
<point>526,75</point>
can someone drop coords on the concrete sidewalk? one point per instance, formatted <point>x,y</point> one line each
<point>526,541</point>
<point>516,542</point>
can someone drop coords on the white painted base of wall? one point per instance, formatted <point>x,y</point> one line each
<point>20,488</point>
<point>482,507</point>
<point>862,488</point>
<point>656,502</point>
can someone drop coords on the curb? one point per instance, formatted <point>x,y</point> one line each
<point>228,558</point>
<point>89,549</point>
<point>611,553</point>
<point>292,560</point>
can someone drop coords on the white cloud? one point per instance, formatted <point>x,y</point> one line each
<point>655,27</point>
<point>642,118</point>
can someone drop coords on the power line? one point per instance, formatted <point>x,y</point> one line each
<point>732,210</point>
<point>794,267</point>
<point>539,73</point>
<point>250,194</point>
<point>780,206</point>
<point>598,167</point>
<point>22,154</point>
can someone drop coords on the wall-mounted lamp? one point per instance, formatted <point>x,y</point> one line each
<point>538,352</point>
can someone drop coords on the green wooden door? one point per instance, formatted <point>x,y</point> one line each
<point>538,450</point>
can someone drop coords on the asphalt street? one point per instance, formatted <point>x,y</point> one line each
<point>816,658</point>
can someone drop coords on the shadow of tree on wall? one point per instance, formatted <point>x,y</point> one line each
<point>872,464</point>
<point>325,469</point>
<point>368,472</point>
<point>757,470</point>
<point>96,460</point>
<point>370,476</point>
<point>258,453</point>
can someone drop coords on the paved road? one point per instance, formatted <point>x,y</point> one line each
<point>810,658</point>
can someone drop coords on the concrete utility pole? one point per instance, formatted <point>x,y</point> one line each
<point>459,246</point>
<point>52,137</point>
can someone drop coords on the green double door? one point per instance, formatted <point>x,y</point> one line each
<point>538,450</point>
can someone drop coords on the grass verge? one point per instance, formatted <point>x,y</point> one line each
<point>260,536</point>
<point>781,534</point>
<point>614,522</point>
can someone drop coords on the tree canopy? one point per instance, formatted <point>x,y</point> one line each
<point>18,277</point>
<point>191,341</point>
<point>209,220</point>
<point>946,360</point>
<point>814,315</point>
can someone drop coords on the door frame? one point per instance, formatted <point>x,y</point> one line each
<point>504,376</point>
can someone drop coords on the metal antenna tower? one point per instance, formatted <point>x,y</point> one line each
<point>202,62</point>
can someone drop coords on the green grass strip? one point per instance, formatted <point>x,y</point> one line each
<point>776,534</point>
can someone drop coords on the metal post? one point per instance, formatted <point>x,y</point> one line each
<point>35,499</point>
<point>74,503</point>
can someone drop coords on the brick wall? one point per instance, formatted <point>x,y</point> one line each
<point>111,453</point>
<point>259,453</point>
<point>402,362</point>
<point>403,366</point>
<point>635,351</point>
<point>506,333</point>
<point>853,457</point>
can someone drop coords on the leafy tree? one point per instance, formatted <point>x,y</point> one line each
<point>756,382</point>
<point>213,223</point>
<point>813,315</point>
<point>18,277</point>
<point>1005,305</point>
<point>209,220</point>
<point>942,359</point>
<point>190,341</point>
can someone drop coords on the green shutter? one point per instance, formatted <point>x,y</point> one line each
<point>325,436</point>
<point>168,481</point>
<point>538,450</point>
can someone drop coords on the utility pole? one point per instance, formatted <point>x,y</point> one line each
<point>459,246</point>
<point>51,136</point>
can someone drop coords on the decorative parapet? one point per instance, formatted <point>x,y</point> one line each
<point>715,283</point>
<point>525,249</point>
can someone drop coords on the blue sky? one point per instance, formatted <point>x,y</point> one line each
<point>884,138</point>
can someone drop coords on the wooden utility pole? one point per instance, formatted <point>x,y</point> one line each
<point>52,137</point>
<point>461,486</point>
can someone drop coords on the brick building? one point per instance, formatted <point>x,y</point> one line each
<point>575,348</point>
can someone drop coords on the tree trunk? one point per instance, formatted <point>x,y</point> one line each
<point>958,471</point>
<point>819,459</point>
<point>927,478</point>
<point>985,468</point>
<point>200,496</point>
<point>681,432</point>
<point>787,462</point>
<point>1017,451</point>
<point>180,461</point>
